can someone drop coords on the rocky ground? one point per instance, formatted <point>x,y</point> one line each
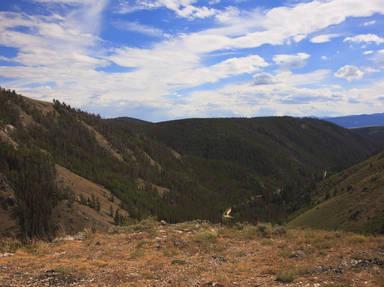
<point>196,254</point>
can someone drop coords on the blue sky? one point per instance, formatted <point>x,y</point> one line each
<point>168,59</point>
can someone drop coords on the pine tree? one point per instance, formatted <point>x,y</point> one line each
<point>97,205</point>
<point>117,218</point>
<point>36,194</point>
<point>83,201</point>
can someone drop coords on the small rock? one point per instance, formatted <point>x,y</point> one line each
<point>65,238</point>
<point>297,254</point>
<point>214,284</point>
<point>79,236</point>
<point>219,258</point>
<point>59,254</point>
<point>2,255</point>
<point>179,243</point>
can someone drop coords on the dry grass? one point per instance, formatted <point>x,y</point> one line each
<point>286,276</point>
<point>205,236</point>
<point>9,245</point>
<point>196,253</point>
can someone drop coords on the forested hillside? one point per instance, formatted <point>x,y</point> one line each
<point>32,174</point>
<point>264,168</point>
<point>374,134</point>
<point>283,157</point>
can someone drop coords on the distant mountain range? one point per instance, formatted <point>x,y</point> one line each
<point>358,121</point>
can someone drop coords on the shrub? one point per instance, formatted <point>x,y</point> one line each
<point>249,232</point>
<point>9,245</point>
<point>179,262</point>
<point>357,238</point>
<point>279,230</point>
<point>285,276</point>
<point>264,230</point>
<point>206,236</point>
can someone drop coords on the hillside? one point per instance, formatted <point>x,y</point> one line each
<point>358,121</point>
<point>197,254</point>
<point>374,134</point>
<point>351,200</point>
<point>264,168</point>
<point>280,157</point>
<point>70,215</point>
<point>257,142</point>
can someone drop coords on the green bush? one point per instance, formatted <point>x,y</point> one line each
<point>285,276</point>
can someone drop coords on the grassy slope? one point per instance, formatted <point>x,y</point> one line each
<point>356,200</point>
<point>67,218</point>
<point>80,216</point>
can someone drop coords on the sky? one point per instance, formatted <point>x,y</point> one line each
<point>169,59</point>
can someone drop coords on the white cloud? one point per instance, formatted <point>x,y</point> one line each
<point>295,23</point>
<point>70,2</point>
<point>365,38</point>
<point>182,8</point>
<point>61,57</point>
<point>269,91</point>
<point>291,61</point>
<point>323,38</point>
<point>350,73</point>
<point>186,72</point>
<point>263,79</point>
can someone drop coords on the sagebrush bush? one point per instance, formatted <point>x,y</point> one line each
<point>285,276</point>
<point>206,236</point>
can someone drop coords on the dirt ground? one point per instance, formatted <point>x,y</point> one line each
<point>197,254</point>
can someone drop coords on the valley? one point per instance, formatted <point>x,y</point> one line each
<point>87,201</point>
<point>262,168</point>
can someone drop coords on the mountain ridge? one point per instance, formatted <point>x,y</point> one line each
<point>189,169</point>
<point>358,121</point>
